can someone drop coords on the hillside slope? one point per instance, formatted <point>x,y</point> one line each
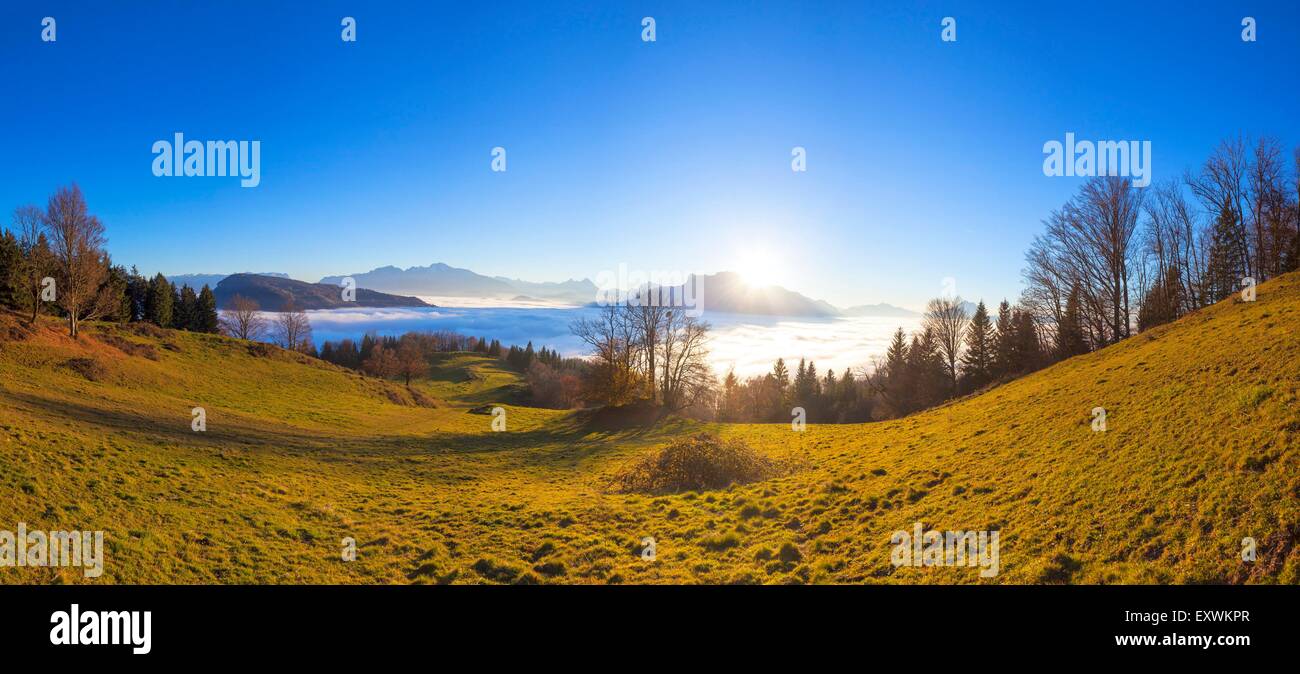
<point>1202,449</point>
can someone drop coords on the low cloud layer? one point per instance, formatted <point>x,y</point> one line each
<point>750,344</point>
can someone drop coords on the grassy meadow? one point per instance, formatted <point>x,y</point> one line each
<point>1202,449</point>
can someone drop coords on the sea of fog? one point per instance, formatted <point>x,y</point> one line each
<point>748,343</point>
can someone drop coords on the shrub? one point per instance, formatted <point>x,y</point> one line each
<point>697,463</point>
<point>495,570</point>
<point>720,542</point>
<point>128,347</point>
<point>550,569</point>
<point>87,367</point>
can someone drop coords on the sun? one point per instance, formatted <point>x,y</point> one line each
<point>757,267</point>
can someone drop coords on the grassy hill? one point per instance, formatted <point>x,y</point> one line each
<point>1202,449</point>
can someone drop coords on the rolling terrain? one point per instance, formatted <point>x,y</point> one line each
<point>1202,449</point>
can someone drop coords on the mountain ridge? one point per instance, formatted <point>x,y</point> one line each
<point>274,293</point>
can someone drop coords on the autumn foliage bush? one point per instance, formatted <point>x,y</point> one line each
<point>699,462</point>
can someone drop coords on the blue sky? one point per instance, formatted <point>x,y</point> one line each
<point>924,157</point>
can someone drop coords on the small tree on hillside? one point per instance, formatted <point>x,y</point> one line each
<point>1004,357</point>
<point>185,309</point>
<point>11,262</point>
<point>382,363</point>
<point>243,319</point>
<point>1070,339</point>
<point>158,306</point>
<point>411,361</point>
<point>946,319</point>
<point>77,241</point>
<point>292,328</point>
<point>37,259</point>
<point>205,317</point>
<point>891,379</point>
<point>977,361</point>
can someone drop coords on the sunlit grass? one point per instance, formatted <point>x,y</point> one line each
<point>1201,450</point>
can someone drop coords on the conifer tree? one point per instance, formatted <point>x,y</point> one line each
<point>137,290</point>
<point>1027,349</point>
<point>782,375</point>
<point>1004,343</point>
<point>977,361</point>
<point>159,302</point>
<point>11,266</point>
<point>1224,267</point>
<point>1070,340</point>
<point>206,318</point>
<point>925,371</point>
<point>895,386</point>
<point>185,309</point>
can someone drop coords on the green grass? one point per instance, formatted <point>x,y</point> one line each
<point>1202,449</point>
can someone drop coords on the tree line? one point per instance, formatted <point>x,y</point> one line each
<point>1113,260</point>
<point>53,261</point>
<point>1116,259</point>
<point>642,350</point>
<point>552,379</point>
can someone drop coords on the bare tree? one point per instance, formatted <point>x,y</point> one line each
<point>1221,188</point>
<point>37,261</point>
<point>1271,215</point>
<point>292,328</point>
<point>77,242</point>
<point>242,318</point>
<point>1048,279</point>
<point>1174,239</point>
<point>684,359</point>
<point>648,315</point>
<point>1111,206</point>
<point>613,339</point>
<point>947,318</point>
<point>411,360</point>
<point>382,363</point>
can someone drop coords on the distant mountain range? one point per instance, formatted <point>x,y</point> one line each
<point>197,281</point>
<point>274,293</point>
<point>441,280</point>
<point>882,309</point>
<point>724,292</point>
<point>727,292</point>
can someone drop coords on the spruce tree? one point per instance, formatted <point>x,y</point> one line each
<point>1223,272</point>
<point>206,318</point>
<point>11,267</point>
<point>119,285</point>
<point>186,309</point>
<point>1070,340</point>
<point>1004,356</point>
<point>895,386</point>
<point>925,371</point>
<point>159,302</point>
<point>977,362</point>
<point>1027,350</point>
<point>137,289</point>
<point>781,383</point>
